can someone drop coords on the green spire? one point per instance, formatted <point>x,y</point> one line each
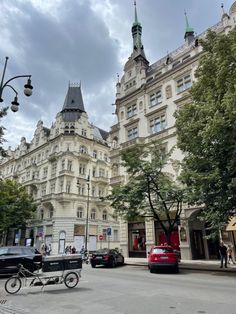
<point>188,28</point>
<point>137,30</point>
<point>135,14</point>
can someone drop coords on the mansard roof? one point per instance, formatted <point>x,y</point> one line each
<point>73,104</point>
<point>100,134</point>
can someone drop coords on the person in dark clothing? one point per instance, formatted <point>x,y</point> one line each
<point>223,255</point>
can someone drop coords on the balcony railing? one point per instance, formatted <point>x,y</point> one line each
<point>116,180</point>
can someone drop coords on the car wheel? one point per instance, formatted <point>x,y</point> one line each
<point>93,265</point>
<point>176,270</point>
<point>151,270</point>
<point>113,263</point>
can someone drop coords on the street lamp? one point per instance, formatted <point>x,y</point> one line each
<point>87,212</point>
<point>27,90</point>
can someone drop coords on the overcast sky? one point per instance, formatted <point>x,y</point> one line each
<point>57,41</point>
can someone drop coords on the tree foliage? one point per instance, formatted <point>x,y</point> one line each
<point>206,131</point>
<point>16,206</point>
<point>149,192</point>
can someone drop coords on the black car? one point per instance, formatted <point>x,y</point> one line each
<point>107,257</point>
<point>12,256</point>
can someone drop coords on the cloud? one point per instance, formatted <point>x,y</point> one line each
<point>58,41</point>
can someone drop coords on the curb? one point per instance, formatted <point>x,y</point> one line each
<point>193,267</point>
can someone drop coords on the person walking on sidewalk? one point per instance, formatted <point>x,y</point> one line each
<point>223,254</point>
<point>230,251</point>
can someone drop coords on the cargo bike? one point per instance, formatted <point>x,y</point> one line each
<point>55,270</point>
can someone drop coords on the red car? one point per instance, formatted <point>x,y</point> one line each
<point>164,257</point>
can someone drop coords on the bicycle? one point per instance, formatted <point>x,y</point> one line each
<point>14,283</point>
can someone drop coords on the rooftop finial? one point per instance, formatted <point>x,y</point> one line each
<point>222,7</point>
<point>135,13</point>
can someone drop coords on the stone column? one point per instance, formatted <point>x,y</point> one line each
<point>150,234</point>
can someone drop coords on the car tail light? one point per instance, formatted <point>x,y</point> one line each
<point>106,257</point>
<point>153,257</point>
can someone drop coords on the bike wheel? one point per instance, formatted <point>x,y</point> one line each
<point>71,280</point>
<point>13,285</point>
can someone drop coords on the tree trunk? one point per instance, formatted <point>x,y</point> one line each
<point>7,236</point>
<point>168,236</point>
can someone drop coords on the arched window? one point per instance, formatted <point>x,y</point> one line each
<point>104,215</point>
<point>83,149</point>
<point>80,212</point>
<point>72,129</point>
<point>94,154</point>
<point>67,129</point>
<point>93,214</point>
<point>41,214</point>
<point>50,212</point>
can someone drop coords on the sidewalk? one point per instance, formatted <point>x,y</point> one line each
<point>205,265</point>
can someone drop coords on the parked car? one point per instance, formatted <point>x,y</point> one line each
<point>12,256</point>
<point>162,257</point>
<point>107,257</point>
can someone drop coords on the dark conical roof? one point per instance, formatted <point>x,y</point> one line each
<point>73,104</point>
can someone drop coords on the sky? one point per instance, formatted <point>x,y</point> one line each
<point>87,41</point>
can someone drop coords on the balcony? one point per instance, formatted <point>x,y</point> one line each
<point>116,180</point>
<point>66,172</point>
<point>100,179</point>
<point>135,141</point>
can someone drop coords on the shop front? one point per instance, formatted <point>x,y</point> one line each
<point>160,238</point>
<point>137,239</point>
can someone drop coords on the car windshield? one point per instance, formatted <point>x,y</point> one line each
<point>162,250</point>
<point>103,251</point>
<point>3,251</point>
<point>15,250</point>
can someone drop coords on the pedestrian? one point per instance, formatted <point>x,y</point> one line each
<point>42,249</point>
<point>48,249</point>
<point>229,252</point>
<point>73,250</point>
<point>223,255</point>
<point>67,250</point>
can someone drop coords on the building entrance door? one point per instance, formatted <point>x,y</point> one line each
<point>197,244</point>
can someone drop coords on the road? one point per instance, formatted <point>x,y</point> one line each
<point>129,290</point>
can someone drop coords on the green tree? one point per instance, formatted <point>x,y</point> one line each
<point>149,192</point>
<point>16,206</point>
<point>3,112</point>
<point>206,131</point>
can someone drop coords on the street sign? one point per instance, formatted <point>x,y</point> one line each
<point>100,237</point>
<point>109,231</point>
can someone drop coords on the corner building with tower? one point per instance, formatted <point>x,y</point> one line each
<point>147,97</point>
<point>66,169</point>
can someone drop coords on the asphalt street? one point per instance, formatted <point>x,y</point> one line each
<point>129,290</point>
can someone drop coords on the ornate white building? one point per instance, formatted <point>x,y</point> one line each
<point>66,168</point>
<point>146,99</point>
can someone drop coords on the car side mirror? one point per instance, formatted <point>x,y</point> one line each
<point>148,252</point>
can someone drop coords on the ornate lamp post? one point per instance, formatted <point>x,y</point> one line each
<point>27,90</point>
<point>87,212</point>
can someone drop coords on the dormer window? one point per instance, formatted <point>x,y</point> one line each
<point>175,64</point>
<point>84,132</point>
